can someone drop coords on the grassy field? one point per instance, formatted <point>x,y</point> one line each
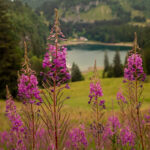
<point>78,106</point>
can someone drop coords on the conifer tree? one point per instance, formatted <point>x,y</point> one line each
<point>76,74</point>
<point>106,64</point>
<point>9,54</point>
<point>126,60</point>
<point>117,68</point>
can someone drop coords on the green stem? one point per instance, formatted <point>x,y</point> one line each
<point>54,95</point>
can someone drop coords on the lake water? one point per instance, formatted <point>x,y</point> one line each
<point>85,55</point>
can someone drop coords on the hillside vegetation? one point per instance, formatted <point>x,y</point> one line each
<point>93,18</point>
<point>84,10</point>
<point>28,26</point>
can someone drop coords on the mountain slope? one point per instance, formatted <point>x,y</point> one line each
<point>99,20</point>
<point>94,10</point>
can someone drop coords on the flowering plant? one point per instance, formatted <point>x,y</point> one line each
<point>98,107</point>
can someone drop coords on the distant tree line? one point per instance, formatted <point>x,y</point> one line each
<point>104,31</point>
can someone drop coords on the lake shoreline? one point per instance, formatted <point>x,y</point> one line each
<point>69,43</point>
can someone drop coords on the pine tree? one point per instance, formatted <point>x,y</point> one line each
<point>10,59</point>
<point>76,73</point>
<point>110,72</point>
<point>106,64</point>
<point>126,60</point>
<point>118,67</point>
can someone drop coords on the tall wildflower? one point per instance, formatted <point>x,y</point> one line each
<point>134,69</point>
<point>17,131</point>
<point>134,75</point>
<point>120,96</point>
<point>111,132</point>
<point>117,135</point>
<point>98,105</point>
<point>127,137</point>
<point>122,102</point>
<point>29,93</point>
<point>28,90</point>
<point>55,62</point>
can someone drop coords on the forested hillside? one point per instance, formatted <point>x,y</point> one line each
<point>93,18</point>
<point>95,10</point>
<point>28,26</point>
<point>19,23</point>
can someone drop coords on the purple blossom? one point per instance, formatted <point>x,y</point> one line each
<point>114,123</point>
<point>5,139</point>
<point>111,128</point>
<point>28,89</point>
<point>134,69</point>
<point>17,131</point>
<point>77,138</point>
<point>67,86</point>
<point>107,133</point>
<point>121,97</point>
<point>102,103</point>
<point>95,91</point>
<point>127,137</point>
<point>13,116</point>
<point>56,63</point>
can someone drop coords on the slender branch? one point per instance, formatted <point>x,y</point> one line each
<point>54,93</point>
<point>97,123</point>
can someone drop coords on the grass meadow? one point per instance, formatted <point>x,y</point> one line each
<point>78,106</point>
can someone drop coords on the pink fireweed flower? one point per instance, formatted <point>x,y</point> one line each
<point>12,115</point>
<point>127,137</point>
<point>5,139</point>
<point>111,128</point>
<point>77,138</point>
<point>28,90</point>
<point>121,97</point>
<point>17,131</point>
<point>134,69</point>
<point>95,92</point>
<point>114,123</point>
<point>56,63</point>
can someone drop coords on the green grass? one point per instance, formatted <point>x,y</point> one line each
<point>78,105</point>
<point>79,93</point>
<point>101,12</point>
